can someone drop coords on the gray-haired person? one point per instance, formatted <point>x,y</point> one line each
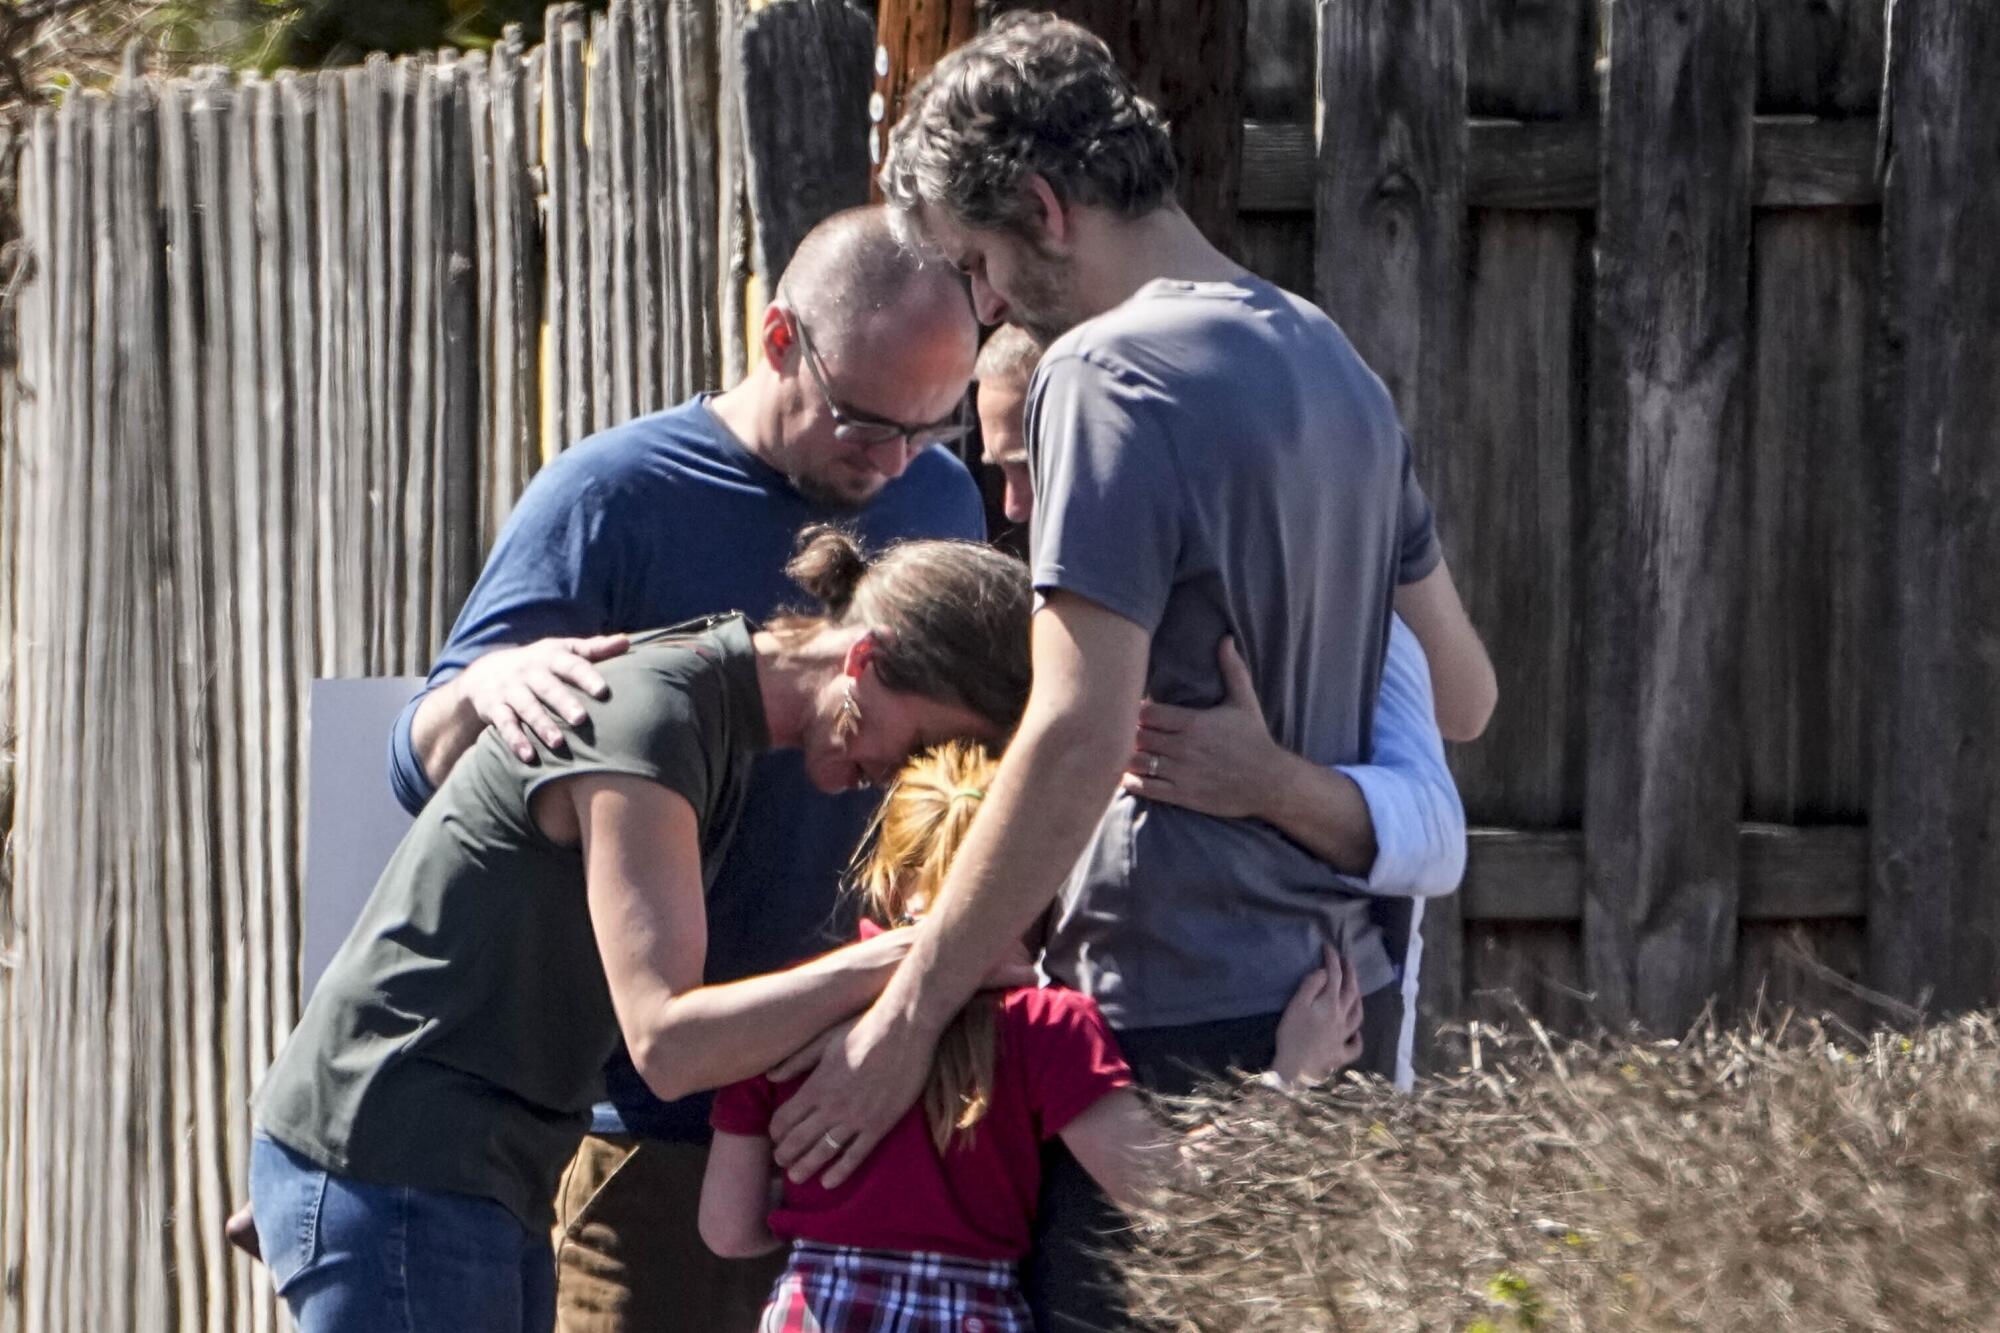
<point>1210,458</point>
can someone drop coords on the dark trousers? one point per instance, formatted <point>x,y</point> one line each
<point>1071,1278</point>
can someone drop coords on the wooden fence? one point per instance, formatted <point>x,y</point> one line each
<point>1703,386</point>
<point>283,374</point>
<point>1692,309</point>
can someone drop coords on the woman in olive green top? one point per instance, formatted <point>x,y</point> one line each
<point>412,1130</point>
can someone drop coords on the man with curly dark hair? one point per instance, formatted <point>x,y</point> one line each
<point>1211,460</point>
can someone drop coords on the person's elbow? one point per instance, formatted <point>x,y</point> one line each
<point>733,1233</point>
<point>662,1064</point>
<point>1465,707</point>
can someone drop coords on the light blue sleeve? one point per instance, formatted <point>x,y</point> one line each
<point>1419,819</point>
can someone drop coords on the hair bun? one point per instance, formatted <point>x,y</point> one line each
<point>829,564</point>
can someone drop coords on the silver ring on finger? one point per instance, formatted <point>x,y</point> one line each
<point>830,1141</point>
<point>1152,765</point>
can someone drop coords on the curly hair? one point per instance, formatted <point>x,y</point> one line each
<point>1033,95</point>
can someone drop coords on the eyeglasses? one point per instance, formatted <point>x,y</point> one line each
<point>861,428</point>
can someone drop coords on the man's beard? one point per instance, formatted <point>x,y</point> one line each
<point>826,497</point>
<point>1038,305</point>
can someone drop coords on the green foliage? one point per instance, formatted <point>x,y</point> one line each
<point>340,32</point>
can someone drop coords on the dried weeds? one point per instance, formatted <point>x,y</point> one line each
<point>1768,1180</point>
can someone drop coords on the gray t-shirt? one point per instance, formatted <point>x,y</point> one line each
<point>1211,459</point>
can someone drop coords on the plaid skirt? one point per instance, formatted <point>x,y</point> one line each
<point>838,1289</point>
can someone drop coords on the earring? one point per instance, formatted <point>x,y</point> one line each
<point>848,720</point>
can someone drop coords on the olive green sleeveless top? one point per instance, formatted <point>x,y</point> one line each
<point>458,1039</point>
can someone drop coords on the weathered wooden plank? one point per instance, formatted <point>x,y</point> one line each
<point>251,440</point>
<point>1530,61</point>
<point>145,986</point>
<point>190,855</point>
<point>651,163</point>
<point>51,698</point>
<point>515,359</point>
<point>911,36</point>
<point>1806,163</point>
<point>1532,969</point>
<point>600,281</point>
<point>412,522</point>
<point>1663,769</point>
<point>1390,195</point>
<point>1508,487</point>
<point>1799,163</point>
<point>374,141</point>
<point>1532,166</point>
<point>1934,918</point>
<point>696,57</point>
<point>733,222</point>
<point>1813,540</point>
<point>1390,210</point>
<point>1819,56</point>
<point>347,446</point>
<point>457,428</point>
<point>275,469</point>
<point>211,116</point>
<point>805,119</point>
<point>1278,249</point>
<point>402,457</point>
<point>298,570</point>
<point>569,229</point>
<point>101,642</point>
<point>1788,874</point>
<point>1808,967</point>
<point>1277,76</point>
<point>22,491</point>
<point>1441,974</point>
<point>613,227</point>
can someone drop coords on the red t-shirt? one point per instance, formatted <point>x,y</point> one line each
<point>1053,1058</point>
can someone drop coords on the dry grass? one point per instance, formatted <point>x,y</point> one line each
<point>1769,1181</point>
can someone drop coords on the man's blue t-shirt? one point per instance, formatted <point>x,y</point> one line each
<point>658,521</point>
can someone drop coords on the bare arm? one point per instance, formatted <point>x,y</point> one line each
<point>736,1197</point>
<point>517,690</point>
<point>1461,673</point>
<point>642,863</point>
<point>1048,795</point>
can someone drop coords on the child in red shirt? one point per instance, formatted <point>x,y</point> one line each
<point>926,1235</point>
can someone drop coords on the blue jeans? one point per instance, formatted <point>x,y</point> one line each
<point>350,1257</point>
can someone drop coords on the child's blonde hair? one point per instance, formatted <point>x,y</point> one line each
<point>898,872</point>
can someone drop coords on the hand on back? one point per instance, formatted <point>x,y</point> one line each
<point>1213,760</point>
<point>537,687</point>
<point>1320,1031</point>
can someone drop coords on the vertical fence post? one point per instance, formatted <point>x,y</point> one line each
<point>1934,899</point>
<point>1391,214</point>
<point>1664,792</point>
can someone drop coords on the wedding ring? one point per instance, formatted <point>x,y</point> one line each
<point>831,1141</point>
<point>1152,765</point>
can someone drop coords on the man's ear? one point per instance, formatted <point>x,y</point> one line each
<point>1053,223</point>
<point>779,336</point>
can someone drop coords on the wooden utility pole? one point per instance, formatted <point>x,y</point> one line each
<point>1185,55</point>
